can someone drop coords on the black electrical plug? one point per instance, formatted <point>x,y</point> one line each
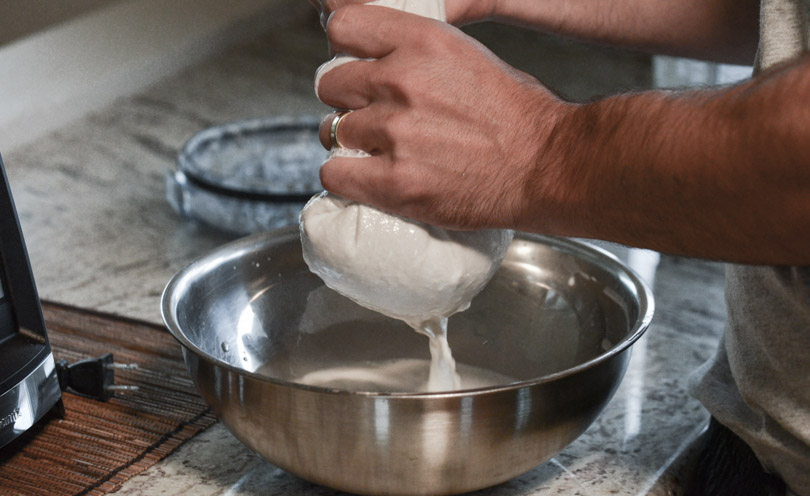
<point>92,378</point>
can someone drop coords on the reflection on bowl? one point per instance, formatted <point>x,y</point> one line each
<point>248,176</point>
<point>558,318</point>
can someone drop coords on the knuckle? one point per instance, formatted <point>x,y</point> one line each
<point>405,81</point>
<point>396,129</point>
<point>410,192</point>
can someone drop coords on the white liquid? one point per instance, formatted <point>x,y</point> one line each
<point>406,375</point>
<point>442,375</point>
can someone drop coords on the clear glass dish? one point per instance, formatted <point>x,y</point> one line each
<point>248,176</point>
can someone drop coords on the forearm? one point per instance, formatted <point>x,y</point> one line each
<point>722,174</point>
<point>721,30</point>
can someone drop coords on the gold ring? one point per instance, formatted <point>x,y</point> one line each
<point>333,128</point>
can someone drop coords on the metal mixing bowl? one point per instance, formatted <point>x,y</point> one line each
<point>559,317</point>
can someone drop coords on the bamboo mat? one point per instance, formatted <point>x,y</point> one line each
<point>99,445</point>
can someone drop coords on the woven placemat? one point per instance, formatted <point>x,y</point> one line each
<point>98,445</point>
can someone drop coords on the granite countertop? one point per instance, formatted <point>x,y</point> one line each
<point>101,236</point>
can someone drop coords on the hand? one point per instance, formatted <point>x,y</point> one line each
<point>456,135</point>
<point>458,12</point>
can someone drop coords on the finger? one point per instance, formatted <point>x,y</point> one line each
<point>326,7</point>
<point>358,179</point>
<point>370,31</point>
<point>356,130</point>
<point>345,83</point>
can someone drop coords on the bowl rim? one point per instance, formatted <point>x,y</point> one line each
<point>237,248</point>
<point>183,171</point>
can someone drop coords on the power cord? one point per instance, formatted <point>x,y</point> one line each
<point>92,378</point>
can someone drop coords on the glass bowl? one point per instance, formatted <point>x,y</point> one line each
<point>248,176</point>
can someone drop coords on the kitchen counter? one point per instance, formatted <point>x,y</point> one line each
<point>101,236</point>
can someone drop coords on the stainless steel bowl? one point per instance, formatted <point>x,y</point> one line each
<point>559,317</point>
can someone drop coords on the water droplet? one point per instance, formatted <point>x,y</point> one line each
<point>225,347</point>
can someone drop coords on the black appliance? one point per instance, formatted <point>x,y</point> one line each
<point>29,385</point>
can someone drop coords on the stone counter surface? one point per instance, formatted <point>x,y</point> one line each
<point>101,236</point>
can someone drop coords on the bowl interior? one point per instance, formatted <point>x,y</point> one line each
<point>553,306</point>
<point>274,156</point>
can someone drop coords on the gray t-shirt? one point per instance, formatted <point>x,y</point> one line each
<point>758,383</point>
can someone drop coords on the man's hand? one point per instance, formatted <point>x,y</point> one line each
<point>461,140</point>
<point>455,134</point>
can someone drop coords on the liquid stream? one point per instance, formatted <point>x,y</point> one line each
<point>442,374</point>
<point>407,375</point>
